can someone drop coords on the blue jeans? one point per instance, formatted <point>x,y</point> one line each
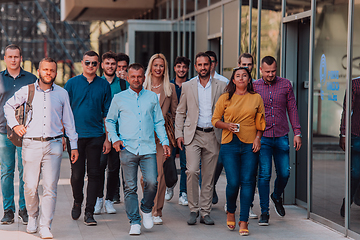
<point>277,147</point>
<point>240,164</point>
<point>148,167</point>
<point>355,165</point>
<point>7,157</point>
<point>182,169</point>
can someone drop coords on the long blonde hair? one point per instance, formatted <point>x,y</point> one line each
<point>166,80</point>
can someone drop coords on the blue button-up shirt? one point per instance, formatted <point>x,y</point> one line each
<point>8,86</point>
<point>90,104</point>
<point>138,115</point>
<point>50,112</point>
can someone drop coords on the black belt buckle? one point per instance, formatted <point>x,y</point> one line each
<point>207,130</point>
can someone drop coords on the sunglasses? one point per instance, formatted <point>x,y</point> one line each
<point>94,63</point>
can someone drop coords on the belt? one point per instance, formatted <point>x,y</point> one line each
<point>205,129</point>
<point>42,139</point>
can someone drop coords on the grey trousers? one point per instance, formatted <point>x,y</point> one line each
<point>41,158</point>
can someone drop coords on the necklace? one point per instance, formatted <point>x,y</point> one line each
<point>156,86</point>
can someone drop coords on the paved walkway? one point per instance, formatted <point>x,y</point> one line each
<point>116,226</point>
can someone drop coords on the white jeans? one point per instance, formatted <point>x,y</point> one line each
<point>41,158</point>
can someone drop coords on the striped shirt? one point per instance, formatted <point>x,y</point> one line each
<point>278,98</point>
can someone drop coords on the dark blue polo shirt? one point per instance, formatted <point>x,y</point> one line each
<point>177,88</point>
<point>8,86</point>
<point>90,103</point>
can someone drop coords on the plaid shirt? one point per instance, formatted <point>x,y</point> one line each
<point>355,106</point>
<point>278,97</point>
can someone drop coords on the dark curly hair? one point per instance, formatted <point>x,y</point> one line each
<point>231,87</point>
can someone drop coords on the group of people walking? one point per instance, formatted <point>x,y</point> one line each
<point>136,118</point>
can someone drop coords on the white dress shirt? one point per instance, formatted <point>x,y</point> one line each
<point>221,77</point>
<point>205,112</point>
<point>50,112</point>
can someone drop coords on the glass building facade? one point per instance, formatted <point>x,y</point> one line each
<point>315,43</point>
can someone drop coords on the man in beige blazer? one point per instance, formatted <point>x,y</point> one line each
<point>193,128</point>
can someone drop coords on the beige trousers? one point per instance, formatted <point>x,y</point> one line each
<point>206,148</point>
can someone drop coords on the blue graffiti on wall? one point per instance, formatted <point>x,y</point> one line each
<point>330,86</point>
<point>322,75</point>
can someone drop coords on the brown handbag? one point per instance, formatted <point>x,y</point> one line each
<point>21,115</point>
<point>170,129</point>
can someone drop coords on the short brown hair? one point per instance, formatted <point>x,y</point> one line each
<point>246,55</point>
<point>13,47</point>
<point>137,66</point>
<point>202,54</point>
<point>109,55</point>
<point>48,59</point>
<point>91,54</point>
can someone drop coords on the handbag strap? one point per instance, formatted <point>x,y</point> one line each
<point>28,105</point>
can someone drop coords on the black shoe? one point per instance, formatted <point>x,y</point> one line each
<point>89,219</point>
<point>215,197</point>
<point>76,211</point>
<point>192,218</point>
<point>23,215</point>
<point>207,220</point>
<point>279,208</point>
<point>116,200</point>
<point>264,219</point>
<point>342,209</point>
<point>8,217</point>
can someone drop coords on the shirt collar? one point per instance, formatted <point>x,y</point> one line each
<point>22,73</point>
<point>132,92</point>
<point>39,89</point>
<point>273,82</point>
<point>207,85</point>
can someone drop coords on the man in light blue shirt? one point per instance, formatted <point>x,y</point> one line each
<point>138,113</point>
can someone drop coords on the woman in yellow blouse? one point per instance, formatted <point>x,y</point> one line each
<point>242,111</point>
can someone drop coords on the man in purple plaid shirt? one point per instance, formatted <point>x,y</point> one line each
<point>278,97</point>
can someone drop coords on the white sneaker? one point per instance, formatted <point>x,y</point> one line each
<point>157,220</point>
<point>45,233</point>
<point>147,220</point>
<point>32,225</point>
<point>135,229</point>
<point>169,193</point>
<point>98,206</point>
<point>183,199</point>
<point>109,207</point>
<point>252,215</point>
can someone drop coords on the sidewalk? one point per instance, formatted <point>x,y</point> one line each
<point>116,226</point>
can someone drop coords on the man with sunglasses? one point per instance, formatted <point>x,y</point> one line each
<point>90,98</point>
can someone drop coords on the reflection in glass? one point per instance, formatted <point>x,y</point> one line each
<point>328,185</point>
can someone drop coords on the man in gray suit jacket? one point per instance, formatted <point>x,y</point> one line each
<point>193,128</point>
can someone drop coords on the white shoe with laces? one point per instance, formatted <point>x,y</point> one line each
<point>147,219</point>
<point>157,220</point>
<point>109,207</point>
<point>183,199</point>
<point>169,193</point>
<point>32,225</point>
<point>45,233</point>
<point>98,205</point>
<point>135,229</point>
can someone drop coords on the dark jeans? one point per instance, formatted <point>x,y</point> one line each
<point>277,147</point>
<point>240,164</point>
<point>112,161</point>
<point>355,165</point>
<point>89,155</point>
<point>182,168</point>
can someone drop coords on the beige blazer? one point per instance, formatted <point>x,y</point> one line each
<point>168,104</point>
<point>187,112</point>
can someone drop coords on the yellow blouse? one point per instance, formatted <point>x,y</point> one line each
<point>248,110</point>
